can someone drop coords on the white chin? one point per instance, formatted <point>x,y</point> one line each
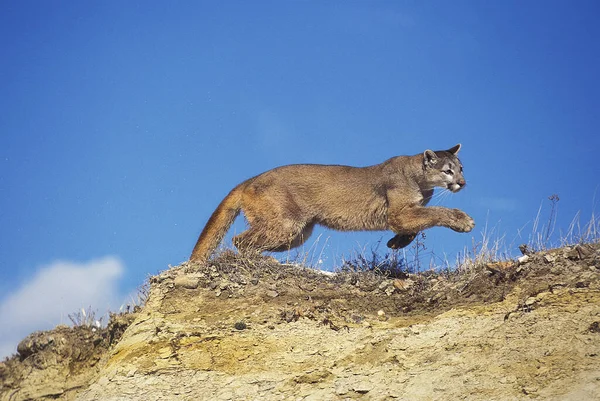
<point>454,187</point>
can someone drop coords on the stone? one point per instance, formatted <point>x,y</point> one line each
<point>404,285</point>
<point>362,387</point>
<point>530,301</point>
<point>186,281</point>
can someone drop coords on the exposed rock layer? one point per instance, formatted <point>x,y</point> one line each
<point>253,329</point>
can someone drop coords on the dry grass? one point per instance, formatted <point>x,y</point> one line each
<point>493,248</point>
<point>83,318</point>
<point>578,233</point>
<point>90,318</point>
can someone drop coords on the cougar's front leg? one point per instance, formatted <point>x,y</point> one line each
<point>458,220</point>
<point>409,221</point>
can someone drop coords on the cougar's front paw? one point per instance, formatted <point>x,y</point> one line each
<point>400,241</point>
<point>463,223</point>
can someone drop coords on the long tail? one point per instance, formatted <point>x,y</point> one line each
<point>217,225</point>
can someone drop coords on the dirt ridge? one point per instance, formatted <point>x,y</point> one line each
<point>253,329</point>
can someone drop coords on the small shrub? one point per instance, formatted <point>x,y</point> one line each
<point>82,318</point>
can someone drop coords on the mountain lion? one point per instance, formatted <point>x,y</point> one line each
<point>283,205</point>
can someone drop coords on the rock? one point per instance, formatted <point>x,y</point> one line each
<point>583,251</point>
<point>240,326</point>
<point>528,390</point>
<point>403,285</point>
<point>362,387</point>
<point>525,250</point>
<point>33,343</point>
<point>498,266</point>
<point>186,281</point>
<point>389,290</point>
<point>572,254</point>
<point>341,389</point>
<point>103,381</point>
<point>313,377</point>
<point>523,259</point>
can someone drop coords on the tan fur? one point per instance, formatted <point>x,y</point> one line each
<point>283,205</point>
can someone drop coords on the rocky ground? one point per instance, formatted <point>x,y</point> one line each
<point>252,329</point>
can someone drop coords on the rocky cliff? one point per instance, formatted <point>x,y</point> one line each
<point>252,329</point>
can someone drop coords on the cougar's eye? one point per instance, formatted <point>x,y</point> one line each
<point>449,172</point>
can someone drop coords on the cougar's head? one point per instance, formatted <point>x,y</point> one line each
<point>443,169</point>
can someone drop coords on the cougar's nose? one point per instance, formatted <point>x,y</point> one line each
<point>461,182</point>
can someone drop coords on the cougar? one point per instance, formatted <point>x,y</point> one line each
<point>283,205</point>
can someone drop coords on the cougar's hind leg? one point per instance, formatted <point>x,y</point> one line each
<point>274,237</point>
<point>249,241</point>
<point>296,241</point>
<point>276,223</point>
<point>401,241</point>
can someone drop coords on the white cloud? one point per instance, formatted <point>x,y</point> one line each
<point>54,292</point>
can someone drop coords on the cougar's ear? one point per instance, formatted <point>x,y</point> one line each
<point>454,149</point>
<point>429,158</point>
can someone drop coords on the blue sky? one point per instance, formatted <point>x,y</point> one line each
<point>124,124</point>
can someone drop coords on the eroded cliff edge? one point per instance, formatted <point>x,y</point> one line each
<point>254,329</point>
